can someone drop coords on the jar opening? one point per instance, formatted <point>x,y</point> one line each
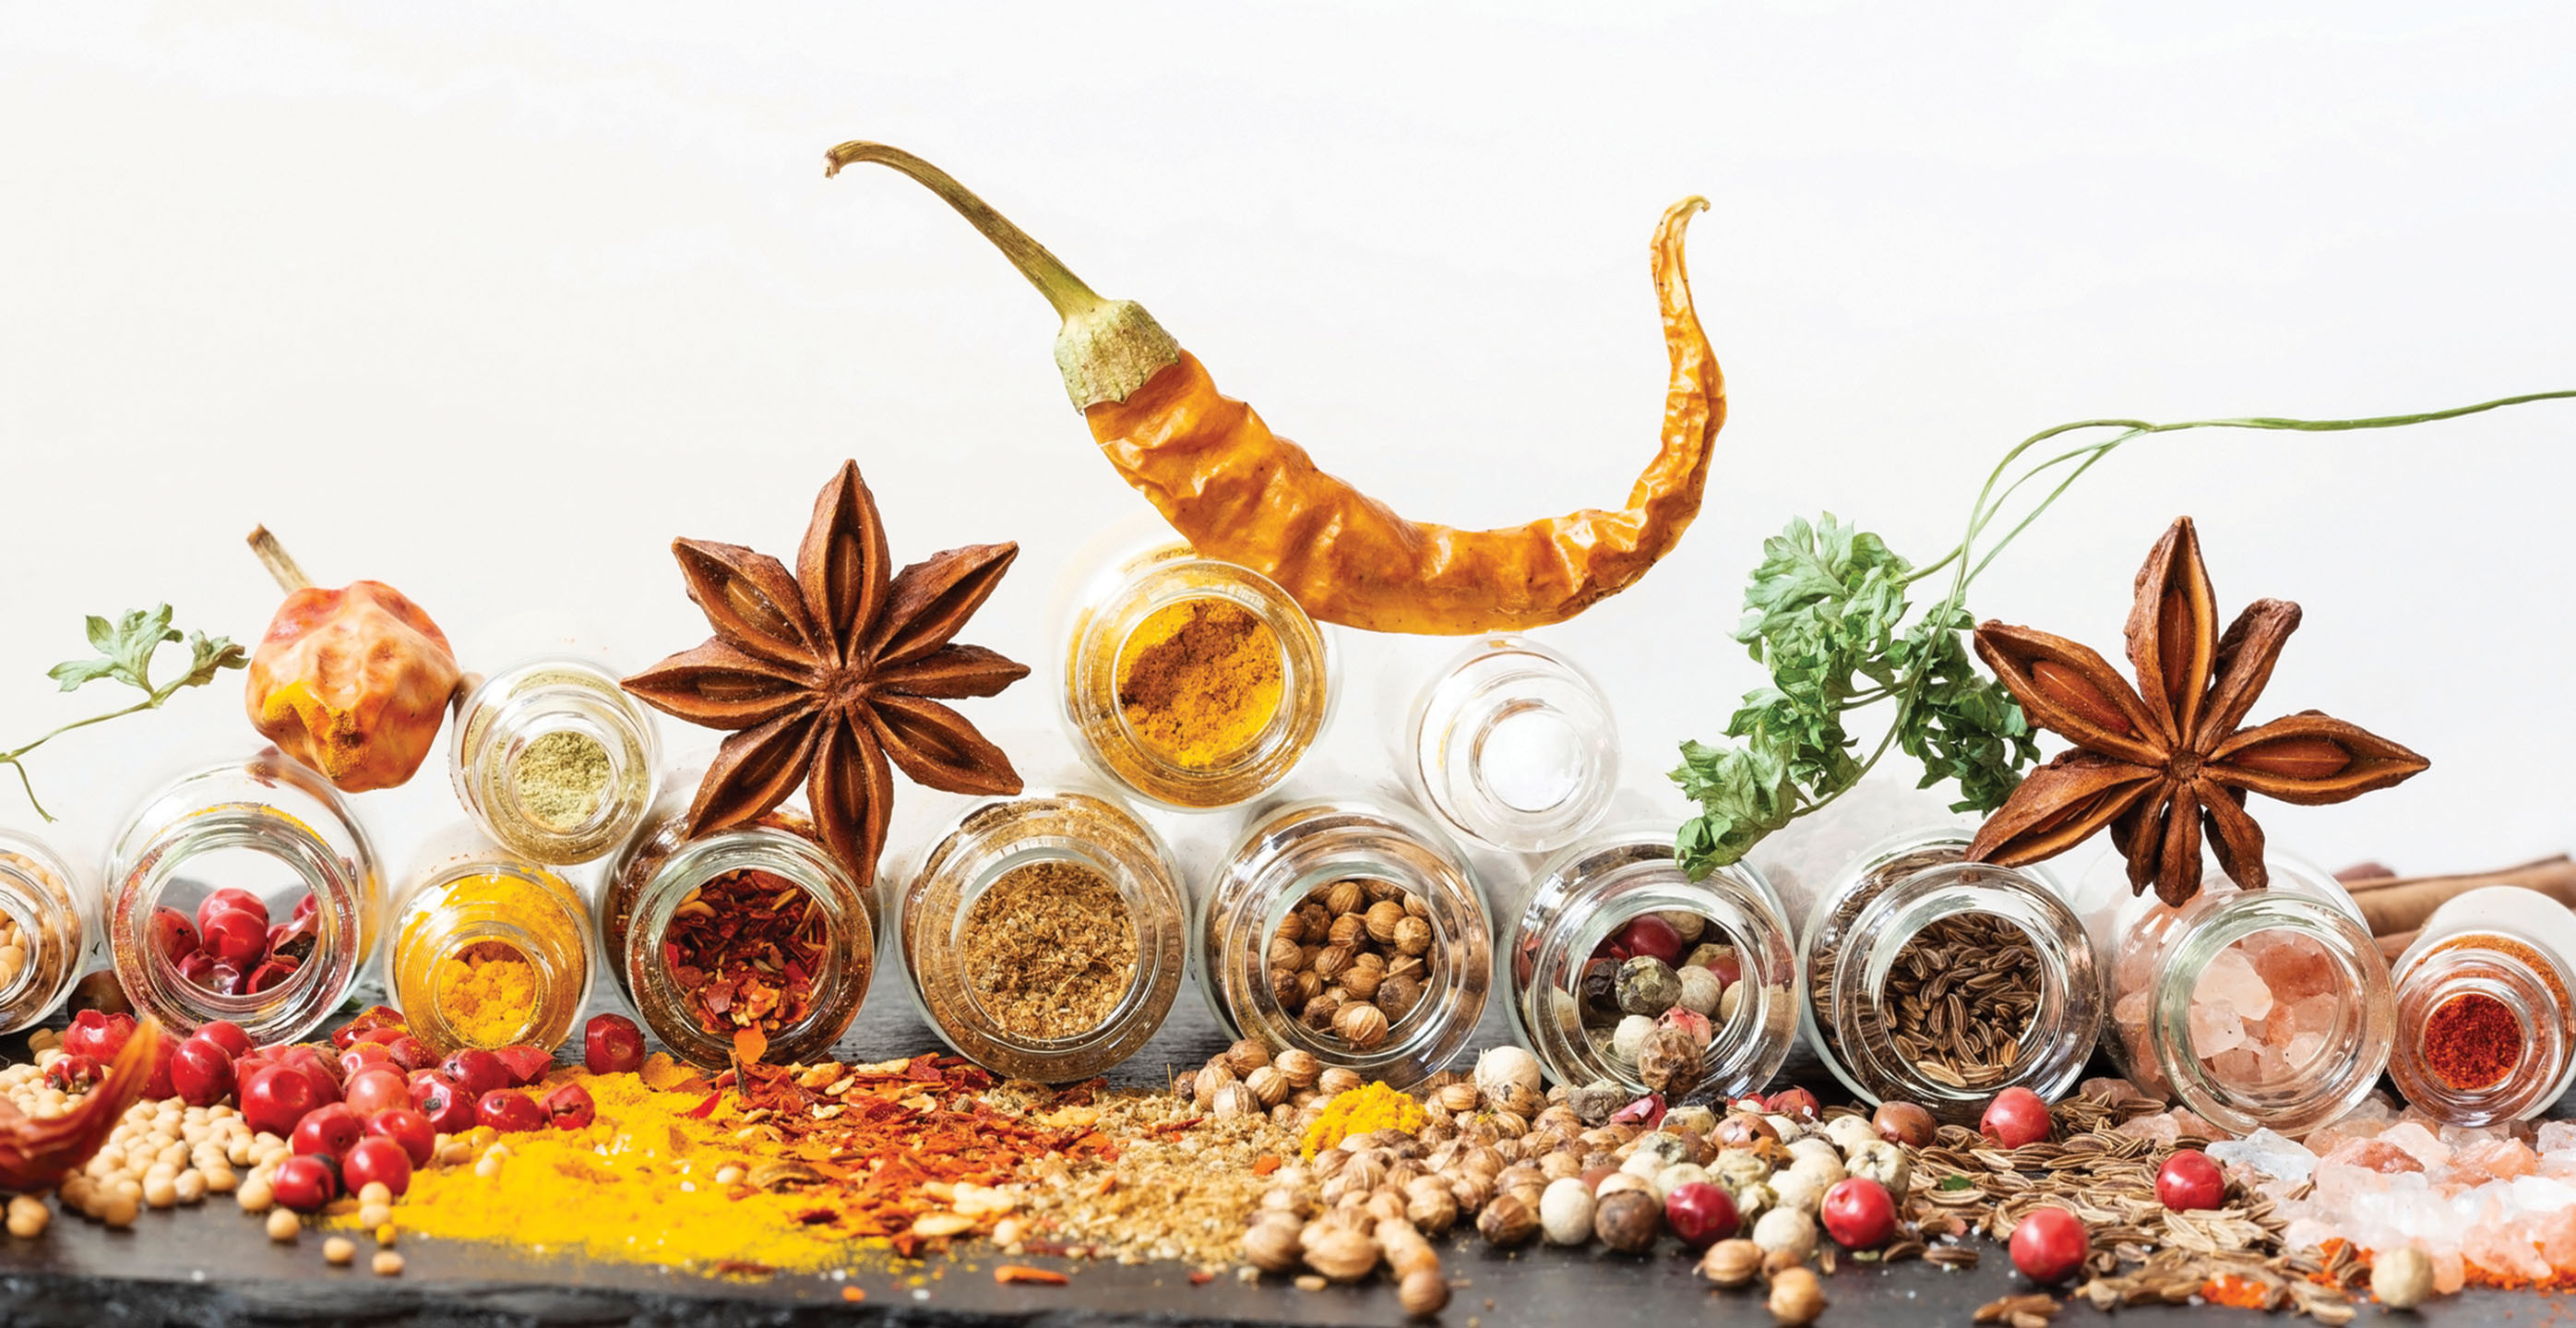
<point>233,918</point>
<point>1649,970</point>
<point>562,777</point>
<point>2264,1010</point>
<point>21,944</point>
<point>2487,1038</point>
<point>1530,760</point>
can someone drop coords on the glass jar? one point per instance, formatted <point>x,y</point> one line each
<point>278,834</point>
<point>1619,898</point>
<point>1323,897</point>
<point>42,936</point>
<point>1919,966</point>
<point>1513,745</point>
<point>1044,936</point>
<point>2254,1008</point>
<point>1191,681</point>
<point>489,950</point>
<point>772,872</point>
<point>2487,1029</point>
<point>553,759</point>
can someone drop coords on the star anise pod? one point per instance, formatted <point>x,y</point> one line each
<point>826,675</point>
<point>2161,763</point>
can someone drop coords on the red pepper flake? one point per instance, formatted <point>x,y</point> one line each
<point>742,947</point>
<point>1265,1164</point>
<point>853,1294</point>
<point>1201,1277</point>
<point>708,1107</point>
<point>1022,1273</point>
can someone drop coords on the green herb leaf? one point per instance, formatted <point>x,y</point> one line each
<point>125,648</point>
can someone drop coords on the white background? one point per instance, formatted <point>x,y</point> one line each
<point>491,302</point>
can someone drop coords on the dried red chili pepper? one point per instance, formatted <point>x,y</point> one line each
<point>745,947</point>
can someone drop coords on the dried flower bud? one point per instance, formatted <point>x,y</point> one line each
<point>1343,897</point>
<point>1234,1100</point>
<point>1286,953</point>
<point>1457,1097</point>
<point>1431,1207</point>
<point>1628,1221</point>
<point>1246,1056</point>
<point>1204,1085</point>
<point>1381,890</point>
<point>1362,982</point>
<point>1398,994</point>
<point>1362,1026</point>
<point>1506,1222</point>
<point>1268,1086</point>
<point>1273,1246</point>
<point>1732,1263</point>
<point>1332,963</point>
<point>1292,928</point>
<point>1423,1292</point>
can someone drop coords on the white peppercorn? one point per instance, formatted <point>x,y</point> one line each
<point>1565,1212</point>
<point>1785,1230</point>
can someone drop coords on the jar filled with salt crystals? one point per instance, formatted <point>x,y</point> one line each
<point>2255,1009</point>
<point>1931,979</point>
<point>2487,1031</point>
<point>42,935</point>
<point>1621,969</point>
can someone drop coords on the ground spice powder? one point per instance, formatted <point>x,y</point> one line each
<point>561,779</point>
<point>487,993</point>
<point>1049,949</point>
<point>2472,1040</point>
<point>1199,680</point>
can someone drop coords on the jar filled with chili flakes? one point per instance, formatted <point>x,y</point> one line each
<point>1045,936</point>
<point>42,935</point>
<point>1352,931</point>
<point>245,890</point>
<point>758,926</point>
<point>2486,1029</point>
<point>488,949</point>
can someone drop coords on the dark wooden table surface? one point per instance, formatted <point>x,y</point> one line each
<point>212,1265</point>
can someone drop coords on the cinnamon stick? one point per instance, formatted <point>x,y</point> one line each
<point>2399,904</point>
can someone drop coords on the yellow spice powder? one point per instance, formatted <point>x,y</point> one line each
<point>1199,680</point>
<point>1360,1111</point>
<point>488,993</point>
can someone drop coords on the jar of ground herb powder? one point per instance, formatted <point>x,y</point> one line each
<point>553,759</point>
<point>1191,681</point>
<point>1352,931</point>
<point>757,926</point>
<point>489,950</point>
<point>42,933</point>
<point>1044,935</point>
<point>1614,946</point>
<point>2486,1025</point>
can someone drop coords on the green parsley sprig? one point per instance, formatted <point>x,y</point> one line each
<point>1826,614</point>
<point>125,648</point>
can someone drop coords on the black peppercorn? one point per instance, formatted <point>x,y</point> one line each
<point>1628,1221</point>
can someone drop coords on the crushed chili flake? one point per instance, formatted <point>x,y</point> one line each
<point>1022,1273</point>
<point>744,946</point>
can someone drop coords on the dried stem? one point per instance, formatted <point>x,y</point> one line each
<point>280,564</point>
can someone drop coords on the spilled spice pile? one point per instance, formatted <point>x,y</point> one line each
<point>1049,949</point>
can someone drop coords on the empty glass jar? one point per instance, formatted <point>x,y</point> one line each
<point>295,860</point>
<point>42,936</point>
<point>2254,1008</point>
<point>489,950</point>
<point>1615,945</point>
<point>1191,681</point>
<point>1352,931</point>
<point>695,983</point>
<point>553,759</point>
<point>2487,1028</point>
<point>1044,936</point>
<point>1513,745</point>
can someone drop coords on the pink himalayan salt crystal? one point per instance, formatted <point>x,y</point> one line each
<point>2158,1129</point>
<point>2296,966</point>
<point>2506,1247</point>
<point>2418,1141</point>
<point>2215,1029</point>
<point>2450,1272</point>
<point>2231,981</point>
<point>2105,1088</point>
<point>2557,1136</point>
<point>2242,1067</point>
<point>2302,1051</point>
<point>2372,1155</point>
<point>2558,1238</point>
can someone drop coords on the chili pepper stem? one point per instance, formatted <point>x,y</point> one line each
<point>280,564</point>
<point>1107,348</point>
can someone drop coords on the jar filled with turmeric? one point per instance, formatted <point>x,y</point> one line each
<point>1194,682</point>
<point>490,950</point>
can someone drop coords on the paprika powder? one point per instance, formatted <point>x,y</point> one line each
<point>1239,493</point>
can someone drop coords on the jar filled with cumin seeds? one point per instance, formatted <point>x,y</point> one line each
<point>2486,1027</point>
<point>488,950</point>
<point>1193,682</point>
<point>554,759</point>
<point>42,934</point>
<point>1044,935</point>
<point>1351,931</point>
<point>757,926</point>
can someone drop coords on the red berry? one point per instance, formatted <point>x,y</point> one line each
<point>309,1063</point>
<point>329,1128</point>
<point>525,1064</point>
<point>569,1107</point>
<point>377,1088</point>
<point>304,904</point>
<point>382,1161</point>
<point>174,935</point>
<point>508,1112</point>
<point>1794,1103</point>
<point>274,973</point>
<point>2189,1180</point>
<point>1728,966</point>
<point>98,1036</point>
<point>1858,1213</point>
<point>383,1037</point>
<point>1646,1112</point>
<point>305,1184</point>
<point>73,1073</point>
<point>228,1035</point>
<point>368,1021</point>
<point>1700,1214</point>
<point>1647,934</point>
<point>2049,1244</point>
<point>411,1053</point>
<point>477,1070</point>
<point>242,901</point>
<point>612,1044</point>
<point>198,969</point>
<point>362,1054</point>
<point>2016,1117</point>
<point>408,1128</point>
<point>201,1071</point>
<point>236,938</point>
<point>158,1085</point>
<point>276,1097</point>
<point>445,1102</point>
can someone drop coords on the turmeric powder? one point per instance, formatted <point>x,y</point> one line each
<point>1362,1110</point>
<point>491,952</point>
<point>1199,680</point>
<point>487,993</point>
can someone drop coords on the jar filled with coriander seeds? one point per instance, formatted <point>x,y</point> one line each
<point>1352,931</point>
<point>1044,936</point>
<point>554,759</point>
<point>42,933</point>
